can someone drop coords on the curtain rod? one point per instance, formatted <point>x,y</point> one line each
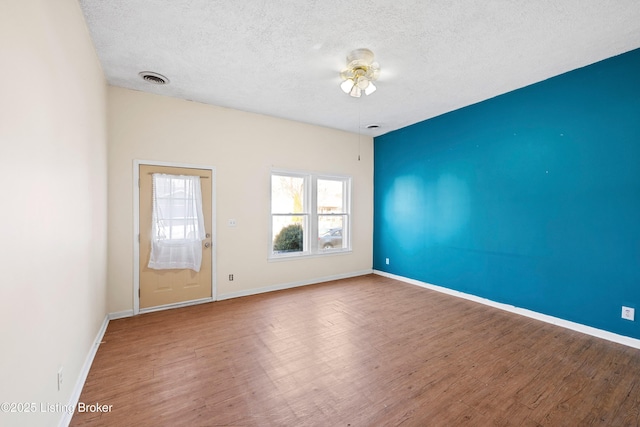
<point>204,177</point>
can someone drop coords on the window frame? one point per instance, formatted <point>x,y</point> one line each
<point>310,208</point>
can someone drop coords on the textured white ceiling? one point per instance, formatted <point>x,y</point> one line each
<point>283,57</point>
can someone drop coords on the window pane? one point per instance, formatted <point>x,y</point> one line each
<point>179,208</point>
<point>330,196</point>
<point>288,232</point>
<point>175,208</point>
<point>163,207</point>
<point>332,232</point>
<point>178,229</point>
<point>287,194</point>
<point>162,186</point>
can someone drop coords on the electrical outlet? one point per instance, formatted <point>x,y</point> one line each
<point>628,313</point>
<point>232,223</point>
<point>387,261</point>
<point>231,277</point>
<point>60,378</point>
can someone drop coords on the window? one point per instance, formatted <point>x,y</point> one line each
<point>177,228</point>
<point>310,214</point>
<point>177,207</point>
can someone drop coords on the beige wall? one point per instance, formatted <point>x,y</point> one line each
<point>243,148</point>
<point>53,202</point>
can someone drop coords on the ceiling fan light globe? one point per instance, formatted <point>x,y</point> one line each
<point>362,82</point>
<point>370,89</point>
<point>356,92</point>
<point>347,85</point>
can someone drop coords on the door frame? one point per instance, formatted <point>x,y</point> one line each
<point>136,235</point>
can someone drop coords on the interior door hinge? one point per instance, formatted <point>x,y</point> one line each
<point>138,292</point>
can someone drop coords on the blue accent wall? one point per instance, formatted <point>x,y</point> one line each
<point>531,198</point>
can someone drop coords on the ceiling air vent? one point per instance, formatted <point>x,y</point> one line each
<point>155,78</point>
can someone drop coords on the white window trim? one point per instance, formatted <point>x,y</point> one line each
<point>310,249</point>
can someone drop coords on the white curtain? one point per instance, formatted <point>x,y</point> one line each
<point>177,225</point>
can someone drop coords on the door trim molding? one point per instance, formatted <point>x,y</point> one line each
<point>136,230</point>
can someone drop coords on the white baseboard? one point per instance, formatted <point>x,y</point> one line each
<point>77,389</point>
<point>120,314</point>
<point>292,285</point>
<point>599,333</point>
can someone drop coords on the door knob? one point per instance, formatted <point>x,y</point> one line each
<point>207,244</point>
<point>207,235</point>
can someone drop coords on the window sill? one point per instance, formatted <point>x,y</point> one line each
<point>279,258</point>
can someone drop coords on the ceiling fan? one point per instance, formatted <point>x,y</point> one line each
<point>360,73</point>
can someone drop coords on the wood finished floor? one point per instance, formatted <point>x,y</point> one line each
<point>367,351</point>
